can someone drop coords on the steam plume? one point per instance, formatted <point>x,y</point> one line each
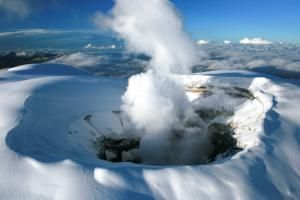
<point>153,27</point>
<point>154,102</point>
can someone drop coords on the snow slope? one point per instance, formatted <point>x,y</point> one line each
<point>42,157</point>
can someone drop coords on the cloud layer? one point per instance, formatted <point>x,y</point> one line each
<point>278,59</point>
<point>30,32</point>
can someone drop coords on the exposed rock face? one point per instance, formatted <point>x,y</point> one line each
<point>208,90</point>
<point>118,149</point>
<point>221,136</point>
<point>209,114</point>
<point>12,59</point>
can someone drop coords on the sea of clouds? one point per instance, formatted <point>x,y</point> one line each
<point>282,60</point>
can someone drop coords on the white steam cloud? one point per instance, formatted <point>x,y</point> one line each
<point>158,107</point>
<point>154,102</point>
<point>153,27</point>
<point>147,92</point>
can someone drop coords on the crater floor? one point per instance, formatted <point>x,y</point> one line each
<point>46,149</point>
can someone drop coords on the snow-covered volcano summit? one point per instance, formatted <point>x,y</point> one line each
<point>46,151</point>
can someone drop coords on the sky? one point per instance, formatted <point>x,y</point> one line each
<point>214,20</point>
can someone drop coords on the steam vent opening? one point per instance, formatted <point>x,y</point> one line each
<point>221,128</point>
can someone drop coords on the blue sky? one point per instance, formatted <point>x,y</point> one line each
<point>276,20</point>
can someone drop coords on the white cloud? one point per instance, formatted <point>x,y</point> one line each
<point>202,42</point>
<point>32,32</point>
<point>227,41</point>
<point>21,54</point>
<point>19,8</point>
<point>254,41</point>
<point>90,46</point>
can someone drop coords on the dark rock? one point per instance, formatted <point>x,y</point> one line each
<point>12,59</point>
<point>111,149</point>
<point>238,92</point>
<point>221,136</point>
<point>208,114</point>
